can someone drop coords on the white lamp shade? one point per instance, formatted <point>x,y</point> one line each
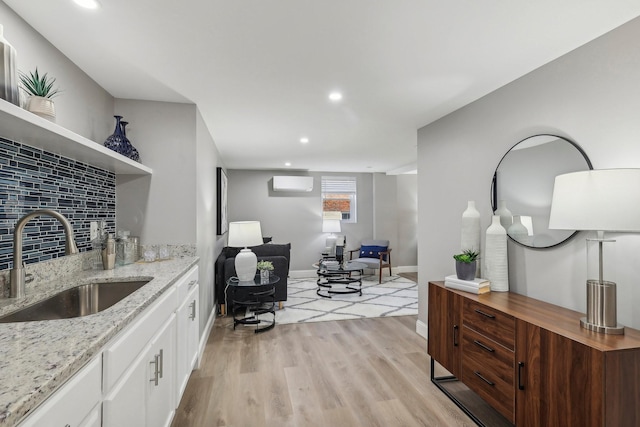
<point>598,200</point>
<point>331,226</point>
<point>243,234</point>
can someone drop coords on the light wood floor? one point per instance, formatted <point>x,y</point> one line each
<point>410,276</point>
<point>365,372</point>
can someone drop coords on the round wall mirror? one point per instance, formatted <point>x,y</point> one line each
<point>522,187</point>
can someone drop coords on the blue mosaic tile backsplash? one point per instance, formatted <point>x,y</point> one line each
<point>31,179</point>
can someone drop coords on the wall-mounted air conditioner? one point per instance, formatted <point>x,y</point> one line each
<point>292,183</point>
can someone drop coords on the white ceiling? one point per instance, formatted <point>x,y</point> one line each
<point>261,70</point>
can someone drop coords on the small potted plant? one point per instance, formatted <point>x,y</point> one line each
<point>466,264</point>
<point>265,267</point>
<point>41,92</point>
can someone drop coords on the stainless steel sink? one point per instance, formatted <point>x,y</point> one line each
<point>76,302</point>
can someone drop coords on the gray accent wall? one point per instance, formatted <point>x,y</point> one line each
<point>382,212</point>
<point>591,96</point>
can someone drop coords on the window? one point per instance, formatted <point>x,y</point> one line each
<point>339,198</point>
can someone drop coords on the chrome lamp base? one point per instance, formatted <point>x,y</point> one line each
<point>601,308</point>
<point>613,330</point>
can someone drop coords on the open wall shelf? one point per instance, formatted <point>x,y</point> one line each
<point>22,126</point>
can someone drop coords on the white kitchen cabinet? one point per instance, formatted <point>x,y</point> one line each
<point>187,336</point>
<point>144,395</point>
<point>124,405</point>
<point>139,369</point>
<point>139,377</point>
<point>160,402</point>
<point>94,419</point>
<point>131,341</point>
<point>74,402</point>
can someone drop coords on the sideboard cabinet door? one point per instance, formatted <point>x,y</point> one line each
<point>445,328</point>
<point>559,381</point>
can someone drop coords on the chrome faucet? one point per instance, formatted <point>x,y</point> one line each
<point>17,275</point>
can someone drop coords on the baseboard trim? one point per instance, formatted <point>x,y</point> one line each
<point>422,329</point>
<point>205,336</point>
<point>405,269</point>
<point>305,274</point>
<point>302,274</point>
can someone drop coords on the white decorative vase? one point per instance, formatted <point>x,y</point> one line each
<point>246,264</point>
<point>506,218</point>
<point>470,231</point>
<point>43,107</point>
<point>496,263</point>
<point>518,231</point>
<point>8,74</point>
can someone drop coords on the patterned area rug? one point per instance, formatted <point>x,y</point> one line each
<point>396,296</point>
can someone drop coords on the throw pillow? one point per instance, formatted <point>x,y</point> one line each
<point>373,252</point>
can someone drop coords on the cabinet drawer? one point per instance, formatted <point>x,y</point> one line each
<point>488,354</point>
<point>489,374</point>
<point>186,283</point>
<point>498,326</point>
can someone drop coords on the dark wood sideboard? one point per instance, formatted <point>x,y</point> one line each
<point>531,360</point>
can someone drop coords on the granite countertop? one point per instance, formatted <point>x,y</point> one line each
<point>37,357</point>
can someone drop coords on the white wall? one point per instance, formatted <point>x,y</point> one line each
<point>207,246</point>
<point>406,249</point>
<point>83,106</point>
<point>591,96</point>
<point>383,209</point>
<point>175,205</point>
<point>160,208</point>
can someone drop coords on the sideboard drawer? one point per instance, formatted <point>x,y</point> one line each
<point>489,354</point>
<point>488,369</point>
<point>498,326</point>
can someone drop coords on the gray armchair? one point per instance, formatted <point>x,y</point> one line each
<point>374,254</point>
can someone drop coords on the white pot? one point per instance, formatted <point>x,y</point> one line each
<point>43,107</point>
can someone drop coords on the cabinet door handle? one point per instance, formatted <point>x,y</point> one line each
<point>192,316</point>
<point>490,316</point>
<point>191,283</point>
<point>161,369</point>
<point>155,363</point>
<point>455,335</point>
<point>483,378</point>
<point>520,367</point>
<point>478,343</point>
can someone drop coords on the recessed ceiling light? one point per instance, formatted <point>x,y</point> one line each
<point>304,140</point>
<point>288,164</point>
<point>88,4</point>
<point>335,96</point>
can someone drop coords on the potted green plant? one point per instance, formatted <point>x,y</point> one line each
<point>466,264</point>
<point>265,267</point>
<point>41,91</point>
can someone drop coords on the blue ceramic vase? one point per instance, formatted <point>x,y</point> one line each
<point>132,152</point>
<point>117,141</point>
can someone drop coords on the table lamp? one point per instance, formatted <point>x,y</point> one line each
<point>598,200</point>
<point>331,226</point>
<point>243,234</point>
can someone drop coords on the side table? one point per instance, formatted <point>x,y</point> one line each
<point>257,296</point>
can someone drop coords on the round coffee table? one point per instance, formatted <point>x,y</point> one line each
<point>339,278</point>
